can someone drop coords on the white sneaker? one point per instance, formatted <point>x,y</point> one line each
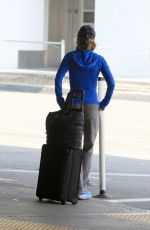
<point>86,195</point>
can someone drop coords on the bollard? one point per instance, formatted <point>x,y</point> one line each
<point>102,173</point>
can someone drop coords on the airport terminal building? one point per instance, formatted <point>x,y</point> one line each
<point>122,28</point>
<point>29,24</point>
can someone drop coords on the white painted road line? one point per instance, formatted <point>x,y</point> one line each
<point>7,180</point>
<point>128,213</point>
<point>96,174</point>
<point>129,200</point>
<point>93,175</point>
<point>128,174</point>
<point>19,170</point>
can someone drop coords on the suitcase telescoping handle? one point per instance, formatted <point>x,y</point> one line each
<point>74,99</point>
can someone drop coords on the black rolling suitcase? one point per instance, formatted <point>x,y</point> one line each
<point>59,174</point>
<point>61,156</point>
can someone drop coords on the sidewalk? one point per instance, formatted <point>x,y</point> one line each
<point>125,89</point>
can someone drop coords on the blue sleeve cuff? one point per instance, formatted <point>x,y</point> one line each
<point>61,102</point>
<point>101,106</point>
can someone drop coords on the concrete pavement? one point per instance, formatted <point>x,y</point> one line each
<point>127,165</point>
<point>125,89</point>
<point>127,208</point>
<point>127,123</point>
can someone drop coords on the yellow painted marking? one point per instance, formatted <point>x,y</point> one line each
<point>8,224</point>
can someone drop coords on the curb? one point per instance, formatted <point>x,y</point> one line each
<point>122,94</point>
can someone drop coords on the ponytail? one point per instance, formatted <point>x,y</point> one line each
<point>86,43</point>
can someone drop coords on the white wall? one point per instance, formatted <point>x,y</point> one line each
<point>19,20</point>
<point>8,19</point>
<point>31,20</point>
<point>8,30</point>
<point>125,24</point>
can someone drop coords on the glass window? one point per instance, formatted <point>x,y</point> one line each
<point>88,17</point>
<point>89,5</point>
<point>88,11</point>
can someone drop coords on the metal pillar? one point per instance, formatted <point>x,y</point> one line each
<point>102,173</point>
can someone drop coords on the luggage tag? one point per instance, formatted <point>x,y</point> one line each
<point>76,99</point>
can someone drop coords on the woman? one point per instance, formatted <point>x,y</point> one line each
<point>84,67</point>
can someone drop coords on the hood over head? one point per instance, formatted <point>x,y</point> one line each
<point>85,58</point>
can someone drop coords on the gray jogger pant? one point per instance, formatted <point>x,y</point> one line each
<point>91,124</point>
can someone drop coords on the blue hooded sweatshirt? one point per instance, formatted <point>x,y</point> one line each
<point>84,67</point>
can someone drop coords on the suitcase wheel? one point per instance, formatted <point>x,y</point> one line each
<point>74,201</point>
<point>40,198</point>
<point>63,201</point>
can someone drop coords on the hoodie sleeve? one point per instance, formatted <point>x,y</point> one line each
<point>105,70</point>
<point>58,81</point>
